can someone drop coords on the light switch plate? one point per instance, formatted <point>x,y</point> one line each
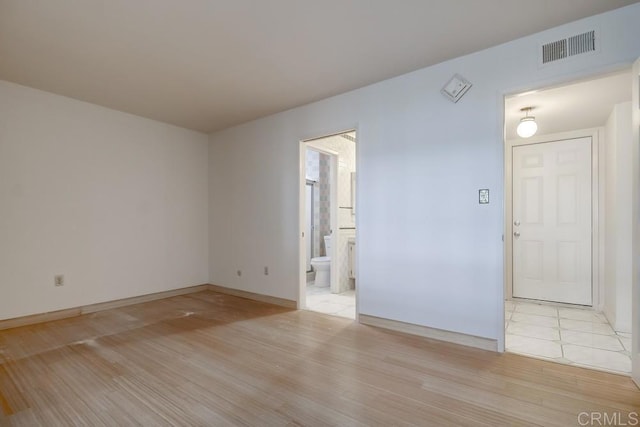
<point>483,196</point>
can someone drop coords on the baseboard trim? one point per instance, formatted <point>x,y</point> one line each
<point>142,298</point>
<point>93,308</point>
<point>32,319</point>
<point>254,296</point>
<point>427,332</point>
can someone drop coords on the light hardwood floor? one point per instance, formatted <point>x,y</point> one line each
<point>209,359</point>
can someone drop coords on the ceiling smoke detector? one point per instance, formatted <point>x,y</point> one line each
<point>455,88</point>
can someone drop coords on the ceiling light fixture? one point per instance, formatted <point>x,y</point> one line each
<point>527,126</point>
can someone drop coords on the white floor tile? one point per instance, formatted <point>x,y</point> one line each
<point>579,314</point>
<point>328,307</point>
<point>342,299</point>
<point>534,319</point>
<point>509,305</point>
<point>316,299</point>
<point>312,289</point>
<point>539,309</point>
<point>320,298</point>
<point>581,326</point>
<point>526,330</point>
<point>507,315</point>
<point>598,358</point>
<point>349,312</point>
<point>533,346</point>
<point>586,339</point>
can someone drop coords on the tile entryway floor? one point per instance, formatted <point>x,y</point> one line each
<point>320,298</point>
<point>566,335</point>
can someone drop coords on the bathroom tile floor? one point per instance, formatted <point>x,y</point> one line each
<point>320,298</point>
<point>571,336</point>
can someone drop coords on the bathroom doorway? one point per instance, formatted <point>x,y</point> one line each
<point>328,225</point>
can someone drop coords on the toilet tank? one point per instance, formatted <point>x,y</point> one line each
<point>327,245</point>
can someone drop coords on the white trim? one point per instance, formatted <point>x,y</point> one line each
<point>108,305</point>
<point>94,308</point>
<point>501,148</point>
<point>268,299</point>
<point>302,256</point>
<point>432,333</point>
<point>635,225</point>
<point>597,250</point>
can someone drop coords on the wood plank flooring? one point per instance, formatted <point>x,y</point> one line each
<point>208,359</point>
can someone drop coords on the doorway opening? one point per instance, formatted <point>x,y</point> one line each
<point>568,249</point>
<point>328,221</point>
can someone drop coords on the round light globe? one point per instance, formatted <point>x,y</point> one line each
<point>527,127</point>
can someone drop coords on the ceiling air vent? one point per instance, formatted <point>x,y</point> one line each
<point>554,51</point>
<point>575,45</point>
<point>582,43</point>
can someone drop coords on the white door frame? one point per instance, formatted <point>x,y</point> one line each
<point>333,214</point>
<point>635,224</point>
<point>597,221</point>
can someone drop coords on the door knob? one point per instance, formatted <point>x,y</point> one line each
<point>516,233</point>
<point>516,223</point>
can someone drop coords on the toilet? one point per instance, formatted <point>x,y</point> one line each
<point>322,265</point>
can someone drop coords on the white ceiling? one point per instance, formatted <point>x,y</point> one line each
<point>581,105</point>
<point>210,64</point>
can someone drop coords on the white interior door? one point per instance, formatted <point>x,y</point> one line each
<point>552,221</point>
<point>635,203</point>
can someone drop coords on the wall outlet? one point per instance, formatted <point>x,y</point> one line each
<point>266,271</point>
<point>58,280</point>
<point>239,273</point>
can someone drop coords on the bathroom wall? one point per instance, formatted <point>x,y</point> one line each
<point>346,150</point>
<point>312,171</point>
<point>618,221</point>
<point>324,202</point>
<point>428,253</point>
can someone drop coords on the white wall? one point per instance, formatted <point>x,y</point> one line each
<point>115,202</point>
<point>428,253</point>
<point>618,222</point>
